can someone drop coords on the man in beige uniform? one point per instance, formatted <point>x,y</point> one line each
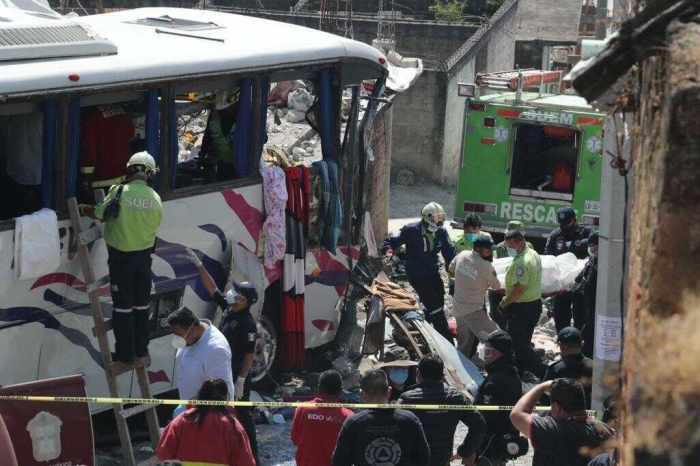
<point>473,274</point>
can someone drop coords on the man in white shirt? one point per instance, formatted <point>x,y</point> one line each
<point>202,353</point>
<point>473,274</point>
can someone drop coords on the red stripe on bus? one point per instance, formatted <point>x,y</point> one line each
<point>589,121</point>
<point>508,113</point>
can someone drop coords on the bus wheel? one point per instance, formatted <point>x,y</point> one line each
<point>265,349</point>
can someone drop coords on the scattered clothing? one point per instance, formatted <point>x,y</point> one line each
<point>293,282</point>
<point>560,441</point>
<point>274,228</point>
<point>105,133</point>
<point>209,357</point>
<point>315,433</point>
<point>390,437</point>
<point>395,297</point>
<point>501,387</point>
<point>37,247</point>
<point>330,212</point>
<point>440,425</point>
<point>219,440</point>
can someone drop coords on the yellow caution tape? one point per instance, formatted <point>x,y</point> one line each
<point>261,404</point>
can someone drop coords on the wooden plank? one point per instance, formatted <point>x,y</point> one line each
<point>403,327</point>
<point>106,327</point>
<point>98,316</point>
<point>91,235</point>
<point>151,415</point>
<point>138,409</point>
<point>97,284</point>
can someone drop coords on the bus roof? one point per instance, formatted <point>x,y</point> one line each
<point>553,100</point>
<point>148,49</point>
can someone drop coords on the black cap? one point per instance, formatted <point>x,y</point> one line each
<point>483,241</point>
<point>569,335</point>
<point>499,339</point>
<point>565,216</point>
<point>592,239</point>
<point>248,290</point>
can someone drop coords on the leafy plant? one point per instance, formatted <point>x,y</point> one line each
<point>449,10</point>
<point>492,6</point>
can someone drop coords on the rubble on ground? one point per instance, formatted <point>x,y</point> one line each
<point>405,178</point>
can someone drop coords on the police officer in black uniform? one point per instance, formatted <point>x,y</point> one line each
<point>501,387</point>
<point>568,237</point>
<point>573,364</point>
<point>240,330</point>
<point>586,284</point>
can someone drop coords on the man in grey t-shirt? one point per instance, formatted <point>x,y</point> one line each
<point>474,274</point>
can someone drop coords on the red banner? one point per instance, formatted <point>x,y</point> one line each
<point>45,433</point>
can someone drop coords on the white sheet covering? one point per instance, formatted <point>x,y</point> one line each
<point>558,273</point>
<point>37,245</point>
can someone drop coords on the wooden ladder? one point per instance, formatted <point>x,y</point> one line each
<point>102,327</point>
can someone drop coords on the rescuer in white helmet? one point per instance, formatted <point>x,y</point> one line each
<point>131,212</point>
<point>423,240</point>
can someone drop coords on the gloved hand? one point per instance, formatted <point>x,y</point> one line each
<point>192,257</point>
<point>502,305</point>
<point>239,388</point>
<point>574,287</point>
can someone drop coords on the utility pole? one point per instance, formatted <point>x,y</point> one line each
<point>601,23</point>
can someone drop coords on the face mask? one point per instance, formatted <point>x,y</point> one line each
<point>231,296</point>
<point>590,252</point>
<point>512,252</point>
<point>432,228</point>
<point>398,376</point>
<point>481,351</point>
<point>471,237</point>
<point>180,342</point>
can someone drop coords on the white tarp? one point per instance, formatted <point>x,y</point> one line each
<point>558,273</point>
<point>403,72</point>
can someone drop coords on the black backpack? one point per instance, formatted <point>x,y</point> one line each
<point>112,210</point>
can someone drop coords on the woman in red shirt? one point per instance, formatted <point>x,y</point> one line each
<point>206,435</point>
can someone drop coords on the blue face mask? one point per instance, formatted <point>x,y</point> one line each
<point>398,376</point>
<point>471,237</point>
<point>512,252</point>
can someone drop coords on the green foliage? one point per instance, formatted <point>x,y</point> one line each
<point>449,10</point>
<point>492,6</point>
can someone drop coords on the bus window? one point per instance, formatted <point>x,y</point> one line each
<point>20,163</point>
<point>214,135</point>
<point>544,162</point>
<point>111,129</point>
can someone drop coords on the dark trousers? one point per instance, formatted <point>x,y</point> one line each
<point>564,304</point>
<point>494,312</point>
<point>130,285</point>
<point>523,318</point>
<point>431,292</point>
<point>588,332</point>
<point>245,414</point>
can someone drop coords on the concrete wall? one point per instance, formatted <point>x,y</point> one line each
<point>419,126</point>
<point>412,37</point>
<point>493,51</point>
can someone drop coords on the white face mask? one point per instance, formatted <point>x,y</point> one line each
<point>590,252</point>
<point>231,296</point>
<point>178,341</point>
<point>512,252</point>
<point>481,351</point>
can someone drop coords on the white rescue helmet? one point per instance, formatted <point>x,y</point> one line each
<point>433,214</point>
<point>142,159</point>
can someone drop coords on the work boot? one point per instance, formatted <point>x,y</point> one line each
<point>123,326</point>
<point>141,332</point>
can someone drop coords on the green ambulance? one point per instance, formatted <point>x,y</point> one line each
<point>526,154</point>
